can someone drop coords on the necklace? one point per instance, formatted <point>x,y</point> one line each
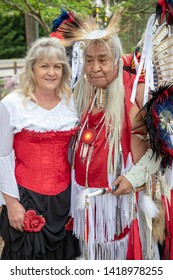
<point>88,137</point>
<point>100,97</point>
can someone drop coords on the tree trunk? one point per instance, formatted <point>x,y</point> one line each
<point>32,29</point>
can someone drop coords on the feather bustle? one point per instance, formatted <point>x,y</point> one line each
<point>159,137</point>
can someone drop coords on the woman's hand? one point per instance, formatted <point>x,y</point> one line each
<point>16,212</point>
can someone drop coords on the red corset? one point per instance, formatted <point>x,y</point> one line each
<point>42,160</point>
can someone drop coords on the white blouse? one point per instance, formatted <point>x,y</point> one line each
<point>17,113</point>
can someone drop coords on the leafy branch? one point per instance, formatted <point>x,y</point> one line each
<point>31,11</point>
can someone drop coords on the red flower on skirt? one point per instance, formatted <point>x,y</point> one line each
<point>33,222</point>
<point>69,224</point>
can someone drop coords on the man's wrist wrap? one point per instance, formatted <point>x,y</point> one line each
<point>137,174</point>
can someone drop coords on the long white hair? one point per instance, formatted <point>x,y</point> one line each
<point>114,114</point>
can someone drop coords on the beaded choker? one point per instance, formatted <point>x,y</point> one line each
<point>98,98</point>
<point>101,99</point>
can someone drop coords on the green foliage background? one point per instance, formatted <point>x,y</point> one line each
<point>12,23</point>
<point>12,43</point>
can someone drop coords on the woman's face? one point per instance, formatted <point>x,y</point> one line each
<point>48,75</point>
<point>99,66</point>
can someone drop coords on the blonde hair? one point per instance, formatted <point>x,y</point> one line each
<point>115,102</point>
<point>50,48</point>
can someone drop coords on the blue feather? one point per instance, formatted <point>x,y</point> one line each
<point>58,21</point>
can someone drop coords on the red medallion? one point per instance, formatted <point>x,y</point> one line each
<point>88,136</point>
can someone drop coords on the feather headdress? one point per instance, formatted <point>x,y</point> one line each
<point>64,18</point>
<point>86,28</point>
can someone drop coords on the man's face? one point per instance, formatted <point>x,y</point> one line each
<point>99,66</point>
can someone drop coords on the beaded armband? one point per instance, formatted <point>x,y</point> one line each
<point>137,174</point>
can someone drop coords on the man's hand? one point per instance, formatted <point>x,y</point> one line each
<point>124,186</point>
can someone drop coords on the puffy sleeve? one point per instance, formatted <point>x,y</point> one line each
<point>8,182</point>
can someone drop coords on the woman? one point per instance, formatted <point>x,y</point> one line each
<point>37,123</point>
